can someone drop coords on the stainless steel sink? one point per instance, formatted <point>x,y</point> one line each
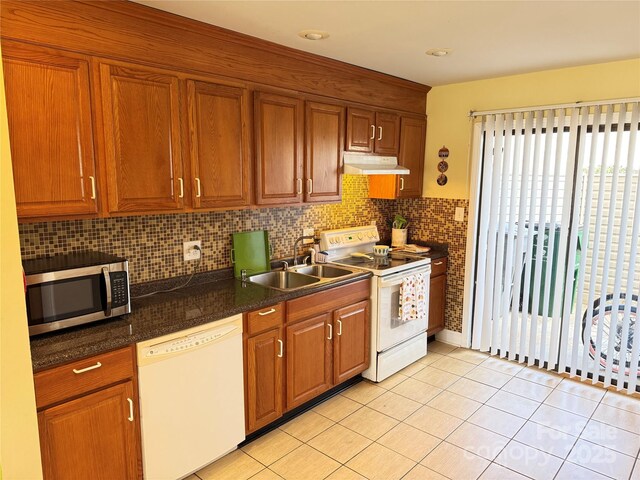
<point>283,280</point>
<point>324,271</point>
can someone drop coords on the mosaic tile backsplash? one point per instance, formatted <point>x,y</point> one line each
<point>153,243</point>
<point>431,220</point>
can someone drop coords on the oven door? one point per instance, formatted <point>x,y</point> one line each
<point>391,330</point>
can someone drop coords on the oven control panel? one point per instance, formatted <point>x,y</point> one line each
<point>348,237</point>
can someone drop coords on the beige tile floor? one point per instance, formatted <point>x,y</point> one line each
<point>454,414</point>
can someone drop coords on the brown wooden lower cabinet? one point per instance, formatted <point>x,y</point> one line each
<point>437,296</point>
<point>323,339</point>
<point>351,344</point>
<point>308,359</point>
<point>90,435</point>
<point>264,381</point>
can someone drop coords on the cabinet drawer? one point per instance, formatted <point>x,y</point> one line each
<point>327,300</point>
<point>67,381</point>
<point>438,266</point>
<point>264,319</point>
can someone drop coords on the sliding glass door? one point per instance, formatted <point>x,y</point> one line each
<point>557,275</point>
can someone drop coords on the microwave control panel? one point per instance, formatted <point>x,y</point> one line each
<point>119,289</point>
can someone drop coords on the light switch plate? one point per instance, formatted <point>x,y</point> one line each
<point>459,217</point>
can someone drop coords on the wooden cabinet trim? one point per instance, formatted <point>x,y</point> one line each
<point>125,30</point>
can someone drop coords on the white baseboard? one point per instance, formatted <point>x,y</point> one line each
<point>449,336</point>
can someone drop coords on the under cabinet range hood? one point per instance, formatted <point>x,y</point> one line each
<point>362,164</point>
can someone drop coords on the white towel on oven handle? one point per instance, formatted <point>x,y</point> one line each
<point>413,298</point>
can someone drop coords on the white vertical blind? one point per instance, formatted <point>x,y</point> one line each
<point>557,273</point>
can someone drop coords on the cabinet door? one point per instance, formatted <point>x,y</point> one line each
<point>264,380</point>
<point>412,138</point>
<point>361,130</point>
<point>142,139</point>
<point>91,437</point>
<point>351,341</point>
<point>437,295</point>
<point>387,133</point>
<point>50,130</point>
<point>323,159</point>
<point>279,136</point>
<point>308,359</point>
<point>218,145</point>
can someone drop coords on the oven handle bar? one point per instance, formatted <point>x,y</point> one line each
<point>397,278</point>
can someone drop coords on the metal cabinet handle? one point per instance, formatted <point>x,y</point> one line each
<point>373,132</point>
<point>281,348</point>
<point>309,186</point>
<point>130,409</point>
<point>181,187</point>
<point>438,263</point>
<point>198,193</point>
<point>339,328</point>
<point>299,182</point>
<point>401,183</point>
<point>267,312</point>
<point>93,187</point>
<point>379,133</point>
<point>330,331</point>
<point>107,282</point>
<point>92,367</point>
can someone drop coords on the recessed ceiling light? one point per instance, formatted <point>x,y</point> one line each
<point>438,52</point>
<point>313,34</point>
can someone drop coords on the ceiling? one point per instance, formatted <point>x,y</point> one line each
<point>487,38</point>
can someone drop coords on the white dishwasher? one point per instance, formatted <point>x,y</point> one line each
<point>191,398</point>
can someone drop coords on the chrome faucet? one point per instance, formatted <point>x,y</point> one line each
<point>295,246</point>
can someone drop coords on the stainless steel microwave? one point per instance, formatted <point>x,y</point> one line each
<point>68,290</point>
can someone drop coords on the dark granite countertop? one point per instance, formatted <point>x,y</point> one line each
<point>162,314</point>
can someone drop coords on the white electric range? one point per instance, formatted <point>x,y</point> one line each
<point>394,343</point>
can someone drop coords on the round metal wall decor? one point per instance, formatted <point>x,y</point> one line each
<point>443,152</point>
<point>443,166</point>
<point>442,179</point>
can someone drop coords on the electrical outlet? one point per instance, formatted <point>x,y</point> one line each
<point>308,232</point>
<point>189,250</point>
<point>459,216</point>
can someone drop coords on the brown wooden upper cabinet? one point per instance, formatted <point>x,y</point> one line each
<point>141,117</point>
<point>50,130</point>
<point>412,143</point>
<point>323,157</point>
<point>219,145</point>
<point>372,132</point>
<point>279,127</point>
